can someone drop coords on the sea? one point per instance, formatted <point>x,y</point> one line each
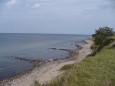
<point>32,46</point>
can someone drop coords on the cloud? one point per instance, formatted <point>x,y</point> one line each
<point>36,5</point>
<point>11,2</point>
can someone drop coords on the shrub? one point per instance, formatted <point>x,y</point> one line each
<point>101,38</point>
<point>101,34</point>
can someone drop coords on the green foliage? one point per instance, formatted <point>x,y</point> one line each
<point>102,37</point>
<point>67,67</point>
<point>101,34</point>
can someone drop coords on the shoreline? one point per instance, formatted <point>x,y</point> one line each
<point>49,70</point>
<point>38,62</point>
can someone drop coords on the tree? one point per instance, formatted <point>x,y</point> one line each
<point>101,38</point>
<point>102,34</point>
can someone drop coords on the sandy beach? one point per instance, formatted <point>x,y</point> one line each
<point>50,70</point>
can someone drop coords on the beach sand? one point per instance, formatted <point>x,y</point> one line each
<point>50,70</point>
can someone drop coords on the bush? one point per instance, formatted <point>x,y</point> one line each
<point>101,34</point>
<point>101,38</point>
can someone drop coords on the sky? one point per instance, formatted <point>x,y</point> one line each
<point>56,16</point>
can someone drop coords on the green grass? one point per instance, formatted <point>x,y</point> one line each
<point>93,71</point>
<point>36,83</point>
<point>66,67</point>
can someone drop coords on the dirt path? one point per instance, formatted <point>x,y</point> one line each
<point>48,71</point>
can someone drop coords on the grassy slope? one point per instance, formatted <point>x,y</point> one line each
<point>93,71</point>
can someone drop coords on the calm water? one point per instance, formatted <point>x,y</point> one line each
<point>33,46</point>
